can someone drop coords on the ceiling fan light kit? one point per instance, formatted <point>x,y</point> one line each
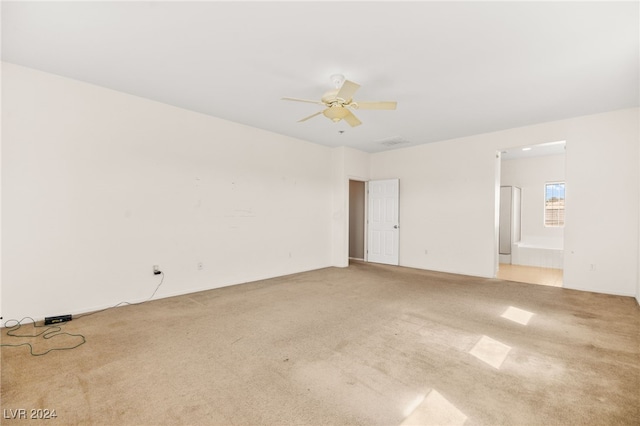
<point>339,100</point>
<point>335,113</point>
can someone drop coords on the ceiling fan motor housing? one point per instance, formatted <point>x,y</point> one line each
<point>329,98</point>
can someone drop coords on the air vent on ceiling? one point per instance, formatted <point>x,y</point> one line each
<point>394,141</point>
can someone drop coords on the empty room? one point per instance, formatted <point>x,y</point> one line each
<point>299,212</point>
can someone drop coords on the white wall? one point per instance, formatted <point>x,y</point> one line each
<point>601,165</point>
<point>448,200</point>
<point>1,208</point>
<point>447,197</point>
<point>98,186</point>
<point>531,174</point>
<point>348,164</point>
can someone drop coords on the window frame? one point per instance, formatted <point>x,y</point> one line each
<point>557,223</point>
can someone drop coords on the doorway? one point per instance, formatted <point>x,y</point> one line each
<point>374,228</point>
<point>531,226</point>
<point>357,214</point>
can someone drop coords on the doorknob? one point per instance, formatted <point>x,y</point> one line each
<point>395,227</point>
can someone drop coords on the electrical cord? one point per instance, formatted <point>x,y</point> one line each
<point>52,331</point>
<point>125,303</point>
<point>49,332</point>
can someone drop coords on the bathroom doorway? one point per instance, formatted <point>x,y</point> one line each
<point>531,215</point>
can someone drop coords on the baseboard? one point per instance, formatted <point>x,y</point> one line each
<point>38,318</point>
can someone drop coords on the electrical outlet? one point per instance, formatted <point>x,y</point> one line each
<point>156,270</point>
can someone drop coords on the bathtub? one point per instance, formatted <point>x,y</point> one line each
<point>536,254</point>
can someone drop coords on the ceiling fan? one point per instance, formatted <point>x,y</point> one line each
<point>339,101</point>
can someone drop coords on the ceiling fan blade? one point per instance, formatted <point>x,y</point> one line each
<point>352,119</point>
<point>311,116</point>
<point>347,90</point>
<point>376,105</point>
<point>302,100</point>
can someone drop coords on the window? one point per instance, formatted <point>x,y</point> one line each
<point>554,204</point>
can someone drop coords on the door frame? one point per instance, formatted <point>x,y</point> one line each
<point>364,218</point>
<point>346,222</point>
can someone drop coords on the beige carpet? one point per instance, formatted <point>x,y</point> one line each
<point>368,344</point>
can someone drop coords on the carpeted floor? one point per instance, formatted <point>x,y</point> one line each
<point>368,344</point>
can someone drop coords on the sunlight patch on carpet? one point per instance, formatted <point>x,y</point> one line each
<point>517,315</point>
<point>433,409</point>
<point>490,351</point>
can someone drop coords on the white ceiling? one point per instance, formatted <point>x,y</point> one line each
<point>538,150</point>
<point>455,68</point>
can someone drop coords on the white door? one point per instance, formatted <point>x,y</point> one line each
<point>383,225</point>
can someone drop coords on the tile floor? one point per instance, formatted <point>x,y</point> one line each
<point>530,274</point>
